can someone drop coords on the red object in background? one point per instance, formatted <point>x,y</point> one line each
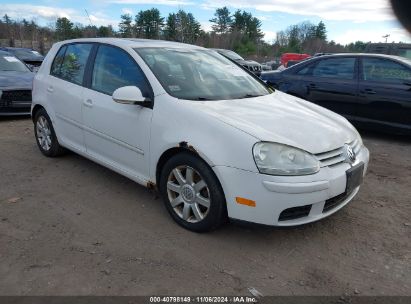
<point>292,56</point>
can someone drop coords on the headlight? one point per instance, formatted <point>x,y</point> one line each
<point>278,159</point>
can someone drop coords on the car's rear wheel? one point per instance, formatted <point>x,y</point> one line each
<point>192,194</point>
<point>45,135</point>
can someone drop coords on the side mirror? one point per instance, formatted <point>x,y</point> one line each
<point>130,95</point>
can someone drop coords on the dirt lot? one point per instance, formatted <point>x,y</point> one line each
<point>71,227</point>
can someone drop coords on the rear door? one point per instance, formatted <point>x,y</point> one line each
<point>65,92</point>
<point>333,84</point>
<point>385,91</point>
<point>117,134</point>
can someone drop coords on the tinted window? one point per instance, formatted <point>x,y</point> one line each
<point>58,60</point>
<point>74,62</point>
<point>304,71</point>
<point>376,69</point>
<point>335,68</point>
<point>113,69</point>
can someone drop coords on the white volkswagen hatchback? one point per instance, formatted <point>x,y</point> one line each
<point>213,139</point>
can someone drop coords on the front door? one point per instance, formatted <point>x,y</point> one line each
<point>117,134</point>
<point>333,84</point>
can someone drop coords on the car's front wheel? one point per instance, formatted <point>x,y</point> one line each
<point>45,135</point>
<point>192,193</point>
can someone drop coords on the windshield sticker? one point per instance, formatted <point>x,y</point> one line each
<point>11,59</point>
<point>174,88</point>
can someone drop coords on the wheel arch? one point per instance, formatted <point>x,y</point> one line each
<point>183,147</point>
<point>36,108</point>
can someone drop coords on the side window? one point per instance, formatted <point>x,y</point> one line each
<point>74,62</point>
<point>305,71</point>
<point>58,60</point>
<point>376,69</point>
<point>113,69</point>
<point>342,68</point>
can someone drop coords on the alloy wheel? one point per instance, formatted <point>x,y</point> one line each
<point>188,194</point>
<point>43,133</point>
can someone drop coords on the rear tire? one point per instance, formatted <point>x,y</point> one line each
<point>46,136</point>
<point>192,193</point>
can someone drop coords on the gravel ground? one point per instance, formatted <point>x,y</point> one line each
<point>71,227</point>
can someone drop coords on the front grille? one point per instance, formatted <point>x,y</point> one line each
<point>335,201</point>
<point>336,157</point>
<point>295,213</point>
<point>16,95</point>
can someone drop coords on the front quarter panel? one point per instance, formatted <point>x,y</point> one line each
<point>181,123</point>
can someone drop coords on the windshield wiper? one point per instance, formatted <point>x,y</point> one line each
<point>249,96</point>
<point>201,98</point>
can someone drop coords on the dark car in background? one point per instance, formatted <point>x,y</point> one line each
<point>31,58</point>
<point>371,90</point>
<point>15,86</point>
<point>250,65</point>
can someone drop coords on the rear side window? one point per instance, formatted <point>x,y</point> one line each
<point>58,60</point>
<point>376,69</point>
<point>113,69</point>
<point>342,68</point>
<point>73,64</point>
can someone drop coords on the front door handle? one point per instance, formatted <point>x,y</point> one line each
<point>50,89</point>
<point>88,103</point>
<point>312,85</point>
<point>369,91</point>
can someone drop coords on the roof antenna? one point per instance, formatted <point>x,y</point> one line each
<point>91,23</point>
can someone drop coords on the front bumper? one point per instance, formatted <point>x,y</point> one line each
<point>11,107</point>
<point>287,200</point>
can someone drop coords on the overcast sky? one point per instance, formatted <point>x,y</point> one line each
<point>346,21</point>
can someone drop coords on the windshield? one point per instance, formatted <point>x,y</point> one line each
<point>11,63</point>
<point>197,74</point>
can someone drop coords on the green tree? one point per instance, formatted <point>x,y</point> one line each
<point>357,47</point>
<point>247,25</point>
<point>171,30</point>
<point>148,24</point>
<point>321,31</point>
<point>222,20</point>
<point>182,27</point>
<point>125,26</point>
<point>64,29</point>
<point>105,31</point>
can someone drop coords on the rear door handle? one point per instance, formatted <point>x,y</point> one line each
<point>88,103</point>
<point>312,85</point>
<point>50,89</point>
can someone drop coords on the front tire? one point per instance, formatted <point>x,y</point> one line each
<point>192,193</point>
<point>45,135</point>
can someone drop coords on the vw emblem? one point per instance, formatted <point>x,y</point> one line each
<point>349,154</point>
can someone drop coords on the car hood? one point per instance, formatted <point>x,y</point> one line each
<point>16,80</point>
<point>285,119</point>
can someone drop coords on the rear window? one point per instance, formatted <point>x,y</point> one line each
<point>71,67</point>
<point>342,68</point>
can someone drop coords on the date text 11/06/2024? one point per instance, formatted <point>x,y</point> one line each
<point>203,299</point>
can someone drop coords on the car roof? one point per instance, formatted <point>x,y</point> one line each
<point>16,48</point>
<point>358,55</point>
<point>134,43</point>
